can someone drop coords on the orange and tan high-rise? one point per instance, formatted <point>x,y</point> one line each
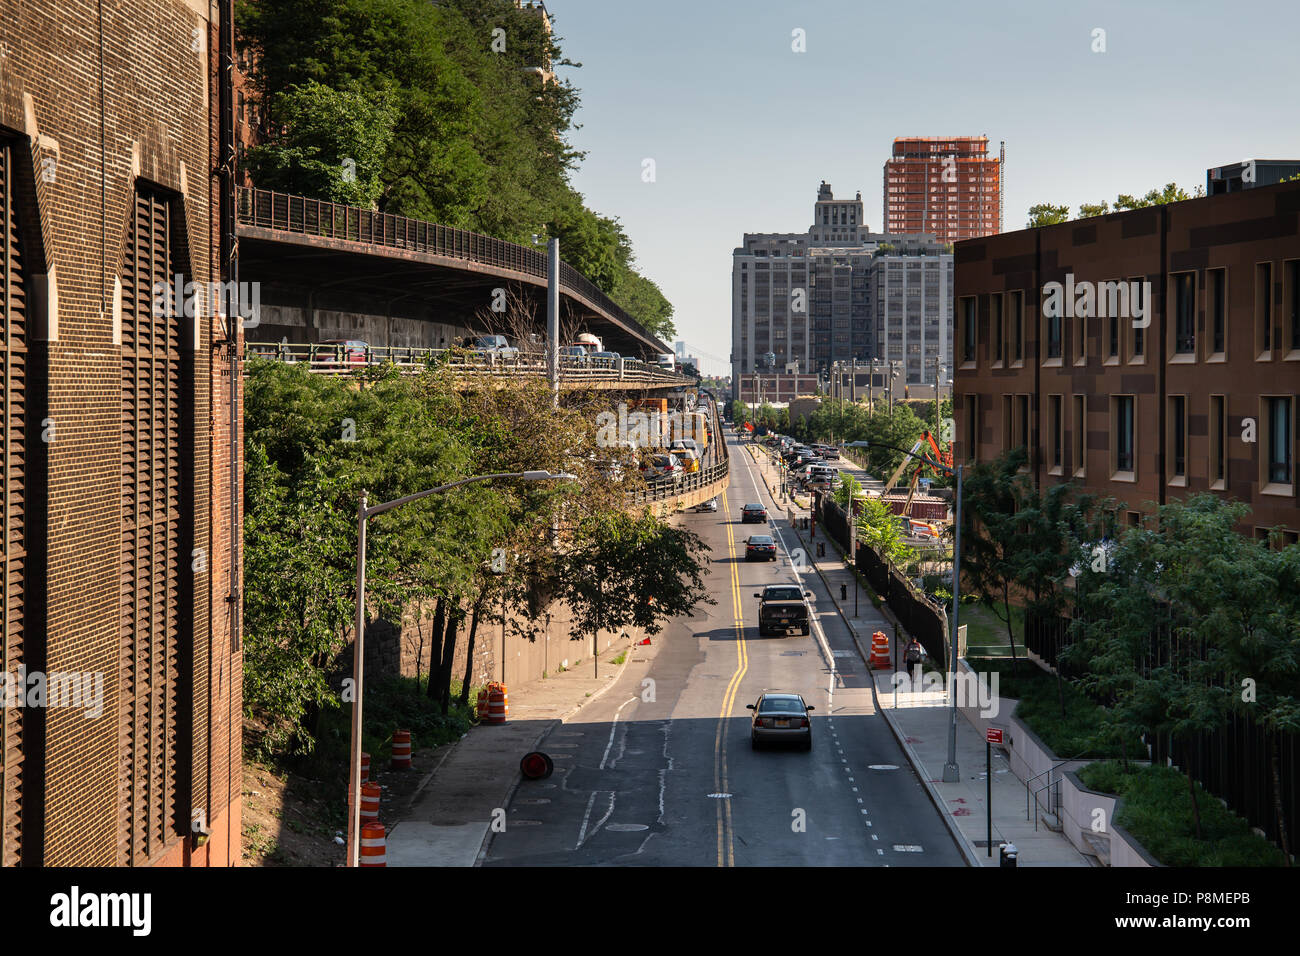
<point>946,185</point>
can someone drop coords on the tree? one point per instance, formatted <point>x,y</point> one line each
<point>1088,210</point>
<point>880,529</point>
<point>1046,214</point>
<point>1155,197</point>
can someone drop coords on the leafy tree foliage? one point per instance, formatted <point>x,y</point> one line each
<point>1045,214</point>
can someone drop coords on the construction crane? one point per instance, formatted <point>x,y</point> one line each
<point>944,458</point>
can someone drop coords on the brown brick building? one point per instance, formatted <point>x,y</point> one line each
<point>119,493</point>
<point>1192,390</point>
<point>946,185</point>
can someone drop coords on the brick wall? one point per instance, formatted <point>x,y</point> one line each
<point>98,101</point>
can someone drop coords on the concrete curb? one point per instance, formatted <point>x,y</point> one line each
<point>537,742</point>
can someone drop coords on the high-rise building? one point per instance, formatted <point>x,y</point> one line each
<point>948,186</point>
<point>802,302</point>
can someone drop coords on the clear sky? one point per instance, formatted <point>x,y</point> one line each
<point>742,129</point>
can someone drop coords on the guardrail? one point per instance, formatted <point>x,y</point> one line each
<point>333,359</point>
<point>662,489</point>
<point>303,215</point>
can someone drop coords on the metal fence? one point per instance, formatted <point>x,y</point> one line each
<point>336,359</point>
<point>303,215</point>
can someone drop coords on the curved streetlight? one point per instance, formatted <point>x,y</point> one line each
<point>950,770</point>
<point>364,513</point>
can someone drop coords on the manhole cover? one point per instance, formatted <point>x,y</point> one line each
<point>719,796</point>
<point>883,766</point>
<point>525,823</point>
<point>842,654</point>
<point>626,827</point>
<point>533,801</point>
<point>793,653</point>
<point>907,848</point>
<point>562,746</point>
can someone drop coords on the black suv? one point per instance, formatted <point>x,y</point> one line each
<point>783,608</point>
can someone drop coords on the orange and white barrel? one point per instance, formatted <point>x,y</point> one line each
<point>482,703</point>
<point>370,801</point>
<point>401,750</point>
<point>365,766</point>
<point>498,704</point>
<point>879,651</point>
<point>373,845</point>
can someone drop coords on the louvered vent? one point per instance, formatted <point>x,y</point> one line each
<point>13,388</point>
<point>151,510</point>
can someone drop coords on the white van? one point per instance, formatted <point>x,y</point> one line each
<point>666,360</point>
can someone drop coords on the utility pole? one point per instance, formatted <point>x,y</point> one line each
<point>553,316</point>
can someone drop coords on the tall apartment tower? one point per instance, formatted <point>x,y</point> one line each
<point>948,186</point>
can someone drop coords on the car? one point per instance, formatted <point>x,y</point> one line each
<point>750,514</point>
<point>495,348</point>
<point>831,453</point>
<point>690,459</point>
<point>783,609</point>
<point>710,505</point>
<point>665,360</point>
<point>605,357</point>
<point>663,467</point>
<point>781,718</point>
<point>760,547</point>
<point>573,355</point>
<point>344,352</point>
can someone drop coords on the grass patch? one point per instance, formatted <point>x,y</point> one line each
<point>622,656</point>
<point>1157,810</point>
<point>393,704</point>
<point>1069,735</point>
<point>984,628</point>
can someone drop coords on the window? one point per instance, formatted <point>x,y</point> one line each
<point>1264,309</point>
<point>1218,282</point>
<point>968,330</point>
<point>1218,443</point>
<point>1022,425</point>
<point>1185,313</point>
<point>1056,435</point>
<point>1079,423</point>
<point>1277,420</point>
<point>1122,435</point>
<point>1177,450</point>
<point>1008,431</point>
<point>1138,342</point>
<point>1079,339</point>
<point>1112,338</point>
<point>1053,336</point>
<point>1291,298</point>
<point>1018,325</point>
<point>998,328</point>
<point>971,403</point>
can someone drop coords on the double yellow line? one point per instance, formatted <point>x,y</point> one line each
<point>720,777</point>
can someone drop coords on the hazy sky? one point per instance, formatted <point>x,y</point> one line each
<point>742,128</point>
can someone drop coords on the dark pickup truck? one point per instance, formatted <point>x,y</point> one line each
<point>783,609</point>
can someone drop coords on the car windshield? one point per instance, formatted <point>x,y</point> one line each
<point>753,507</point>
<point>760,539</point>
<point>781,705</point>
<point>783,594</point>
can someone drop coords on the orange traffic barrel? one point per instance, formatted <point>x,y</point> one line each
<point>879,651</point>
<point>482,704</point>
<point>365,766</point>
<point>370,801</point>
<point>401,750</point>
<point>498,704</point>
<point>373,845</point>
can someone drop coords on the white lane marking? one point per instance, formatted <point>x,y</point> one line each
<point>859,798</point>
<point>868,823</point>
<point>608,813</point>
<point>880,851</point>
<point>582,834</point>
<point>613,727</point>
<point>855,789</point>
<point>874,837</point>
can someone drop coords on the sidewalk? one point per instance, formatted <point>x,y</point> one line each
<point>447,819</point>
<point>920,720</point>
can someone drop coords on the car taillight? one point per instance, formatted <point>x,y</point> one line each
<point>803,721</point>
<point>761,722</point>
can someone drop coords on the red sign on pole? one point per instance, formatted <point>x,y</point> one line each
<point>993,735</point>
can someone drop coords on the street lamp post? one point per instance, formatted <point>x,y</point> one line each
<point>364,514</point>
<point>951,774</point>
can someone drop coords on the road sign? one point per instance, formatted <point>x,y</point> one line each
<point>994,735</point>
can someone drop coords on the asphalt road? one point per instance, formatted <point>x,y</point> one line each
<point>659,770</point>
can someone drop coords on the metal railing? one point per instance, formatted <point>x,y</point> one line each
<point>283,212</point>
<point>336,359</point>
<point>662,489</point>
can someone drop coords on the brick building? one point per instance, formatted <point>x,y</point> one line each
<point>1142,392</point>
<point>946,185</point>
<point>121,473</point>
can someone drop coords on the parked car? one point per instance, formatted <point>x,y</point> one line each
<point>783,609</point>
<point>760,547</point>
<point>608,357</point>
<point>781,718</point>
<point>751,514</point>
<point>573,355</point>
<point>346,352</point>
<point>710,505</point>
<point>496,347</point>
